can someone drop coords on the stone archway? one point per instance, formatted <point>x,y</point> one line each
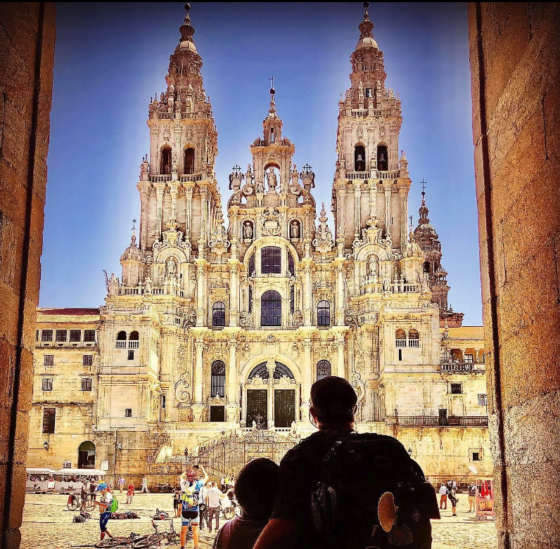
<point>86,455</point>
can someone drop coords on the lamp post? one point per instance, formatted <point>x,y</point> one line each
<point>46,445</point>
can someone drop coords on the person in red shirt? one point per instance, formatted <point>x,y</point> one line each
<point>130,493</point>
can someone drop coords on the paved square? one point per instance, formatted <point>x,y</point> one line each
<point>47,524</point>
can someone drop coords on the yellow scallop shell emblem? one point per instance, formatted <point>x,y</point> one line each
<point>387,511</point>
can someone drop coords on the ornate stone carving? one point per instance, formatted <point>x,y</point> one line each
<point>324,241</point>
<point>271,220</point>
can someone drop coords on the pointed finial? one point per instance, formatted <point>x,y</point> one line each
<point>366,6</point>
<point>134,224</point>
<point>187,8</point>
<point>423,189</point>
<point>133,238</point>
<point>272,90</point>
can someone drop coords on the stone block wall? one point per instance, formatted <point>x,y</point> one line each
<point>515,63</point>
<point>27,34</point>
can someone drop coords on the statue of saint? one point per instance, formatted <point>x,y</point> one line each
<point>149,285</point>
<point>248,231</point>
<point>113,284</point>
<point>170,268</point>
<point>372,265</point>
<point>294,230</point>
<point>272,179</point>
<point>260,187</point>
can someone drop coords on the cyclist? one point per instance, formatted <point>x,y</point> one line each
<point>189,507</point>
<point>104,504</point>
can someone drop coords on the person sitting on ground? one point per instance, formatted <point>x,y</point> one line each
<point>256,490</point>
<point>104,504</point>
<point>381,493</point>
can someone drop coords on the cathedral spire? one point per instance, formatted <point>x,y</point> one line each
<point>423,211</point>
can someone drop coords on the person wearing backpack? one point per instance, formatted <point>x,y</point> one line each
<point>348,490</point>
<point>190,506</point>
<point>105,504</point>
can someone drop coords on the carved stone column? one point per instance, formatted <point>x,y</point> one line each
<point>198,406</point>
<point>234,293</point>
<point>144,188</point>
<point>188,196</point>
<point>357,204</point>
<point>307,370</point>
<point>340,370</point>
<point>307,290</point>
<point>340,294</point>
<point>232,394</point>
<point>340,230</point>
<point>160,189</point>
<point>372,199</point>
<point>173,190</point>
<point>201,295</point>
<point>387,189</point>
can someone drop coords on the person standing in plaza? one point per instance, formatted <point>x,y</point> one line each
<point>145,485</point>
<point>443,491</point>
<point>472,497</point>
<point>453,499</point>
<point>177,501</point>
<point>203,504</point>
<point>104,504</point>
<point>190,506</point>
<point>121,484</point>
<point>130,493</point>
<point>214,507</point>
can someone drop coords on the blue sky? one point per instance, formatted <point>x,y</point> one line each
<point>112,57</point>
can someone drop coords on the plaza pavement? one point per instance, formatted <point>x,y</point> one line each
<point>47,524</point>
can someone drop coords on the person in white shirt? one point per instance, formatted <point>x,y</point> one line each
<point>145,486</point>
<point>443,491</point>
<point>214,496</point>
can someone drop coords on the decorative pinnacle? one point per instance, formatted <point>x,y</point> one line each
<point>366,6</point>
<point>186,29</point>
<point>187,8</point>
<point>423,191</point>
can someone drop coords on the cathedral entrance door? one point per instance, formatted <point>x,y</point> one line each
<point>256,407</point>
<point>284,407</point>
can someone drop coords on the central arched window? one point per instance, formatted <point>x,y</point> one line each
<point>359,158</point>
<point>165,160</point>
<point>323,313</point>
<point>323,369</point>
<point>218,379</point>
<point>189,161</point>
<point>413,338</point>
<point>121,336</point>
<point>219,314</point>
<point>271,309</point>
<point>271,260</point>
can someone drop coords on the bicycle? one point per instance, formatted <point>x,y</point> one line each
<point>171,535</point>
<point>73,502</point>
<point>231,510</point>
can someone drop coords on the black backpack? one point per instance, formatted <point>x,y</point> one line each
<point>371,494</point>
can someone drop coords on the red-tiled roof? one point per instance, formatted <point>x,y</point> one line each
<point>67,311</point>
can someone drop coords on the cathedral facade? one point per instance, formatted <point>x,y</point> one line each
<point>212,329</point>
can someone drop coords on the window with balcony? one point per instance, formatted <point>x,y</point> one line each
<point>323,313</point>
<point>382,158</point>
<point>189,161</point>
<point>219,314</point>
<point>75,336</point>
<point>121,340</point>
<point>218,379</point>
<point>89,336</point>
<point>48,360</point>
<point>413,338</point>
<point>271,309</point>
<point>49,419</point>
<point>271,260</point>
<point>400,338</point>
<point>134,340</point>
<point>87,360</point>
<point>165,160</point>
<point>47,335</point>
<point>86,383</point>
<point>61,336</point>
<point>47,384</point>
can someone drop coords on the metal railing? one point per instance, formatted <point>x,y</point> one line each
<point>161,178</point>
<point>461,367</point>
<point>120,345</point>
<point>192,177</point>
<point>133,344</point>
<point>437,421</point>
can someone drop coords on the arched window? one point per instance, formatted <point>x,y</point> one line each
<point>121,336</point>
<point>165,160</point>
<point>134,336</point>
<point>86,455</point>
<point>323,313</point>
<point>251,265</point>
<point>323,369</point>
<point>218,379</point>
<point>271,309</point>
<point>400,338</point>
<point>426,266</point>
<point>271,260</point>
<point>260,370</point>
<point>382,158</point>
<point>291,267</point>
<point>413,338</point>
<point>219,314</point>
<point>282,371</point>
<point>359,158</point>
<point>272,135</point>
<point>189,161</point>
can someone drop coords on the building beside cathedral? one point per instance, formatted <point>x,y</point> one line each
<point>211,329</point>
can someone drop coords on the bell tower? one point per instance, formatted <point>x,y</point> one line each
<point>178,189</point>
<point>371,181</point>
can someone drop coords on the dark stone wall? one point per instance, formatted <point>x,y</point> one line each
<point>27,35</point>
<point>515,63</point>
